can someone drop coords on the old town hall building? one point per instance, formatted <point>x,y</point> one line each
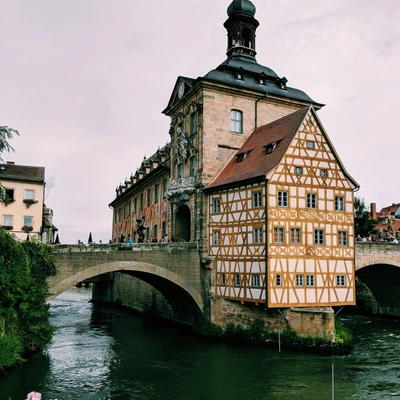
<point>252,177</point>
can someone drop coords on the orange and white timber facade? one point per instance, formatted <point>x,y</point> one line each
<point>288,239</point>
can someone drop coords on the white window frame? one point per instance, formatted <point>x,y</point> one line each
<point>341,280</point>
<point>236,121</point>
<point>283,198</point>
<point>257,235</point>
<point>237,280</point>
<point>279,235</point>
<point>339,203</point>
<point>300,280</point>
<point>26,219</point>
<point>216,206</point>
<point>319,237</point>
<point>343,238</point>
<point>256,281</point>
<point>7,220</point>
<point>295,236</point>
<point>311,201</point>
<point>310,281</point>
<point>257,199</point>
<point>29,194</point>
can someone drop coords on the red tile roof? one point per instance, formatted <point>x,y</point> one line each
<point>257,163</point>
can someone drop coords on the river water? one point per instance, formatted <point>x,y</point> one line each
<point>103,354</point>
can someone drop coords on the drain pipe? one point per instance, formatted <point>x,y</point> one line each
<point>256,109</point>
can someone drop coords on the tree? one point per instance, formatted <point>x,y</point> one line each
<point>6,134</point>
<point>364,225</point>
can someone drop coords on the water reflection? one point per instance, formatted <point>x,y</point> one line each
<point>103,354</point>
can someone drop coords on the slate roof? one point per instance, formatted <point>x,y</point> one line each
<point>256,163</point>
<point>13,172</point>
<point>252,72</point>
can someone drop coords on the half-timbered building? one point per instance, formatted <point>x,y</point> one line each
<point>254,179</point>
<point>281,224</point>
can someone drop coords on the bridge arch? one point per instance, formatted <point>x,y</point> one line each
<point>184,299</point>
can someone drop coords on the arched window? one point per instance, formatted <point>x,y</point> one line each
<point>236,121</point>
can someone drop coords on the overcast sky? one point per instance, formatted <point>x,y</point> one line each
<point>85,81</point>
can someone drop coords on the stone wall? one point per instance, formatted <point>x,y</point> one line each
<point>308,321</point>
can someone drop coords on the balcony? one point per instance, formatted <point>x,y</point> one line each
<point>179,190</point>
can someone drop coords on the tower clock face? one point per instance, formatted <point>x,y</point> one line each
<point>181,90</point>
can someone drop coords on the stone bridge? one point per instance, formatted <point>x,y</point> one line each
<point>172,269</point>
<point>377,266</point>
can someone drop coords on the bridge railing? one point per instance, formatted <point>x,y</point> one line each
<point>107,248</point>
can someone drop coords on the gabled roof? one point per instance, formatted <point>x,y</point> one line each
<point>256,163</point>
<point>13,172</point>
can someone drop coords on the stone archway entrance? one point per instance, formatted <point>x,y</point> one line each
<point>182,224</point>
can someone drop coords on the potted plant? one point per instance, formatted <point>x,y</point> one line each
<point>27,228</point>
<point>8,227</point>
<point>29,202</point>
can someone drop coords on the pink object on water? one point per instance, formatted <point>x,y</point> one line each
<point>34,396</point>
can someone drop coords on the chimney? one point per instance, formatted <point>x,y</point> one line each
<point>373,211</point>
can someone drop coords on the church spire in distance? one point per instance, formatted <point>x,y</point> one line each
<point>241,26</point>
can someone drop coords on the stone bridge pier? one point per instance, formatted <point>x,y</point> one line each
<point>377,267</point>
<point>171,269</point>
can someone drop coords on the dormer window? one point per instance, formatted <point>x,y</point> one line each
<point>269,148</point>
<point>242,156</point>
<point>239,76</point>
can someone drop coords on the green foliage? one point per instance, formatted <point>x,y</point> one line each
<point>24,268</point>
<point>257,334</point>
<point>364,225</point>
<point>6,134</point>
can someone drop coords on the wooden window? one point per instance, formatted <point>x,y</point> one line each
<point>299,170</point>
<point>319,237</point>
<point>340,280</point>
<point>163,230</point>
<point>141,201</point>
<point>282,198</point>
<point>257,200</point>
<point>295,236</point>
<point>299,280</point>
<point>279,234</point>
<point>236,121</point>
<point>155,231</point>
<point>311,200</point>
<point>256,281</point>
<point>324,173</point>
<point>222,280</point>
<point>278,280</point>
<point>310,145</point>
<point>237,280</point>
<point>129,208</point>
<point>135,205</point>
<point>216,206</point>
<point>216,238</point>
<point>342,238</point>
<point>257,235</point>
<point>147,234</point>
<point>339,203</point>
<point>310,280</point>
